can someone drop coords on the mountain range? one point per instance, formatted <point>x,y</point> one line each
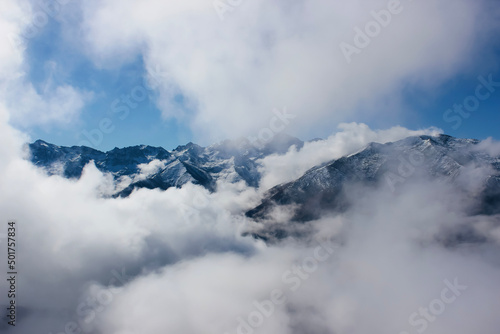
<point>232,161</point>
<point>323,188</point>
<point>441,158</point>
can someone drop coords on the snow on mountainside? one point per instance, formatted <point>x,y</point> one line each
<point>322,188</point>
<point>232,161</point>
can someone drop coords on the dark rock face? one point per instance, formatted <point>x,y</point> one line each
<point>327,188</point>
<point>322,188</point>
<point>73,159</point>
<point>230,160</point>
<point>443,157</point>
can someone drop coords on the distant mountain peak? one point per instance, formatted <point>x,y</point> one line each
<point>238,160</point>
<point>232,161</point>
<point>322,188</point>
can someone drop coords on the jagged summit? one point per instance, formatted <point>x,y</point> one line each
<point>322,187</point>
<point>230,160</point>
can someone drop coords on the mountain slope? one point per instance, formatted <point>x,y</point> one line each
<point>443,157</point>
<point>232,161</point>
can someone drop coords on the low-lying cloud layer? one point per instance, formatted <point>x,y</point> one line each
<point>353,137</point>
<point>176,261</point>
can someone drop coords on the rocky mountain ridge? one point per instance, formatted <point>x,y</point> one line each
<point>232,161</point>
<point>391,165</point>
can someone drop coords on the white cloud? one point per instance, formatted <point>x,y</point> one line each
<point>146,170</point>
<point>60,106</point>
<point>491,146</point>
<point>266,55</point>
<point>190,269</point>
<point>184,253</point>
<point>353,137</point>
<point>11,26</point>
<point>389,266</point>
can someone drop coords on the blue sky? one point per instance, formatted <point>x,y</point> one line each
<point>54,58</point>
<point>143,125</point>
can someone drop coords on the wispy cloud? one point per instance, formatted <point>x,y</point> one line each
<point>183,265</point>
<point>264,55</point>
